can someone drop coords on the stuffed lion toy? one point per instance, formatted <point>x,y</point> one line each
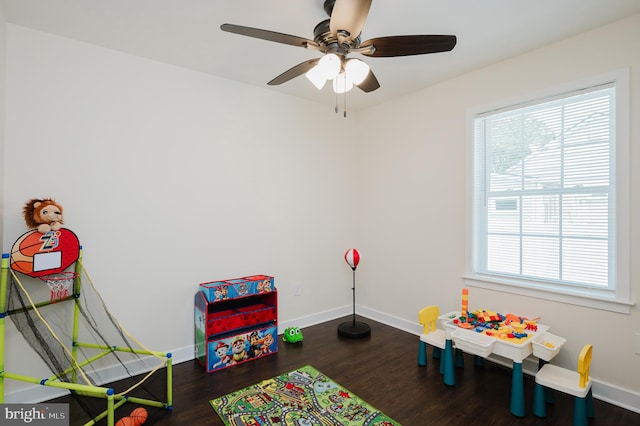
<point>43,214</point>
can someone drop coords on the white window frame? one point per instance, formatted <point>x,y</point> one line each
<point>618,300</point>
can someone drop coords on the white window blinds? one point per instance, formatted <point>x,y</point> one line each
<point>544,190</point>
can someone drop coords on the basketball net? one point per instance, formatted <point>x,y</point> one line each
<point>59,284</point>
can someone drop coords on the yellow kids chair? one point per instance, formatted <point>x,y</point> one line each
<point>432,335</point>
<point>576,383</point>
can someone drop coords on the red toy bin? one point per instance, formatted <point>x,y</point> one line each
<point>257,314</point>
<point>221,321</point>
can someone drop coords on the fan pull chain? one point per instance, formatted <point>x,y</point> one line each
<point>337,109</point>
<point>344,113</point>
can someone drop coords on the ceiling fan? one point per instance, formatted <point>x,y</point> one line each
<point>339,36</point>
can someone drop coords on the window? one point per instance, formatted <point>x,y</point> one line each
<point>550,196</point>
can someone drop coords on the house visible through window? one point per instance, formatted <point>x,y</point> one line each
<point>546,193</point>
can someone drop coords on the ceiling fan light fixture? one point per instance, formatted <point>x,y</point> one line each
<point>329,65</point>
<point>335,38</point>
<point>342,84</point>
<point>356,70</point>
<point>316,77</point>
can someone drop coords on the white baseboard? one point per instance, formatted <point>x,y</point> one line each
<point>33,395</point>
<point>390,320</point>
<point>615,395</point>
<point>318,318</point>
<point>603,391</point>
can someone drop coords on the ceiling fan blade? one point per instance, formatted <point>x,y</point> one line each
<point>294,72</point>
<point>406,45</point>
<point>269,36</point>
<point>349,16</point>
<point>369,84</point>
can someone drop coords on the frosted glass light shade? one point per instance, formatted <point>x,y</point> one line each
<point>329,66</point>
<point>327,69</point>
<point>315,76</point>
<point>356,70</point>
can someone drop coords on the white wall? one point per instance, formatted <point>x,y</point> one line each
<point>171,178</point>
<point>411,163</point>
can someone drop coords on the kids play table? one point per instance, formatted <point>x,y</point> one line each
<point>471,341</point>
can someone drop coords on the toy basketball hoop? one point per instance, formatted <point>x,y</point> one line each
<point>59,284</point>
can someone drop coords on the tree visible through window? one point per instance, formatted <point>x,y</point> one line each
<point>544,191</point>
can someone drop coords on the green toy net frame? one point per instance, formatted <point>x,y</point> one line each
<point>79,339</point>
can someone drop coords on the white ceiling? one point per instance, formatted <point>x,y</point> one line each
<point>187,33</point>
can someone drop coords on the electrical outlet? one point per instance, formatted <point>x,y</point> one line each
<point>638,343</point>
<point>297,291</point>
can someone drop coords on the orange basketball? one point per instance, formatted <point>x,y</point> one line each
<point>125,421</point>
<point>139,416</point>
<point>30,243</point>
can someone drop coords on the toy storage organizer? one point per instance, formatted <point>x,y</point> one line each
<point>236,321</point>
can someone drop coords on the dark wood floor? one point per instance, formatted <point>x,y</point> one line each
<point>382,370</point>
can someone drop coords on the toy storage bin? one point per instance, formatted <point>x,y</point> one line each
<point>255,343</point>
<point>547,345</point>
<point>256,314</point>
<point>473,342</point>
<point>221,321</point>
